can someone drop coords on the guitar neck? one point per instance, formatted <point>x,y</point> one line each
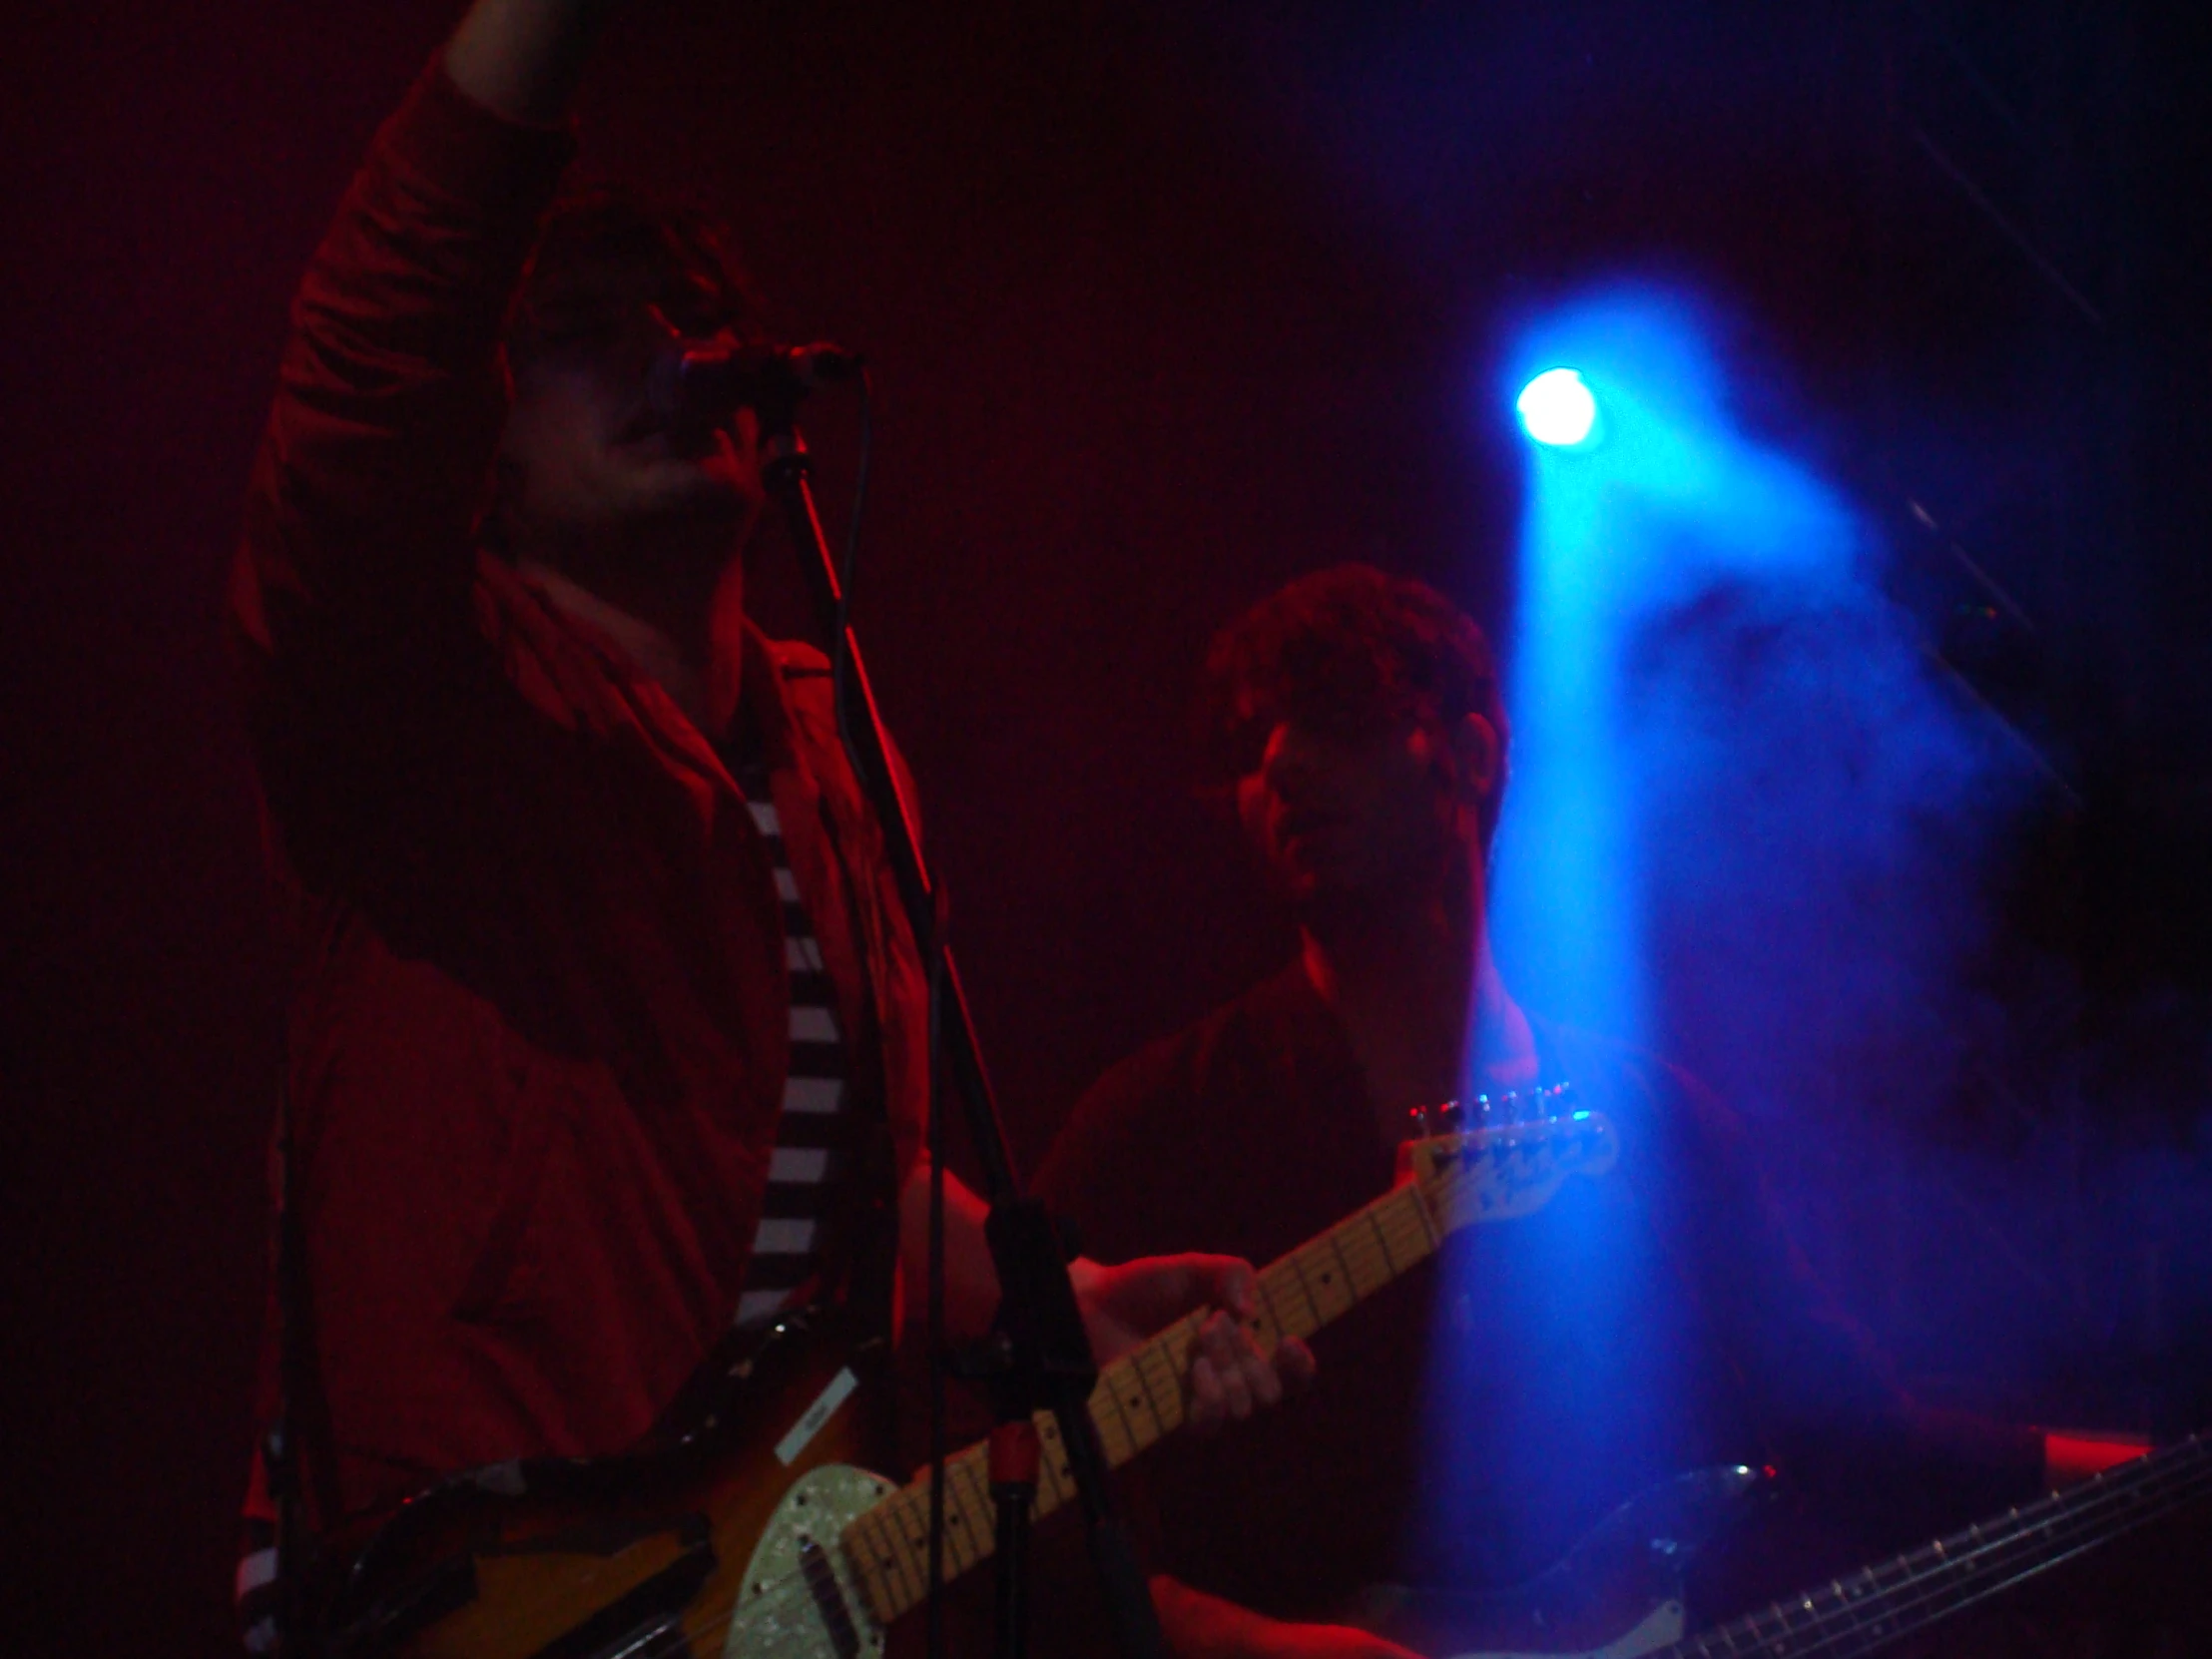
<point>1138,1397</point>
<point>1886,1603</point>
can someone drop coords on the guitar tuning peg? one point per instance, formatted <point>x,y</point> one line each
<point>1442,1119</point>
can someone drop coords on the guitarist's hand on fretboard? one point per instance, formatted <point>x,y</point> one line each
<point>1228,1378</point>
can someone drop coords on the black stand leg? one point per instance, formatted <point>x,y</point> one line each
<point>1014,1494</point>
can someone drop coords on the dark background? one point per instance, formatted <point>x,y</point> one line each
<point>1167,303</point>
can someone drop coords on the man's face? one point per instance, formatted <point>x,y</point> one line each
<point>593,468</point>
<point>1353,818</point>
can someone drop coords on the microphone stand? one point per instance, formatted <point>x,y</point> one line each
<point>1042,1357</point>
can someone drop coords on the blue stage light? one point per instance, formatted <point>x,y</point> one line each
<point>1557,408</point>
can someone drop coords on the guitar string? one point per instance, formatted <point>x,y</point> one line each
<point>1942,1574</point>
<point>1971,1573</point>
<point>791,1591</point>
<point>1837,1622</point>
<point>2170,1488</point>
<point>1997,1566</point>
<point>791,1594</point>
<point>2160,1493</point>
<point>2002,1565</point>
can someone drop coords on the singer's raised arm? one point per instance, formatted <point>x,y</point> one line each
<point>351,598</point>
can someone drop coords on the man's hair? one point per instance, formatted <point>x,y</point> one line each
<point>670,246</point>
<point>1349,651</point>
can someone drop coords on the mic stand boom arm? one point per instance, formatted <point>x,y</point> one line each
<point>1048,1362</point>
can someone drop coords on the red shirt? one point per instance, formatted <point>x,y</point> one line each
<point>539,1031</point>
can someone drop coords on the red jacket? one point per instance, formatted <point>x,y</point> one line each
<point>539,1030</point>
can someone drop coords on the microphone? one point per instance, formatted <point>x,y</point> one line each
<point>704,386</point>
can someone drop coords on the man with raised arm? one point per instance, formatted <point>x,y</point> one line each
<point>607,1031</point>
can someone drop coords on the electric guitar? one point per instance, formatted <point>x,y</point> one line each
<point>759,1531</point>
<point>1619,1593</point>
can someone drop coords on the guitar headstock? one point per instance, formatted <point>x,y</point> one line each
<point>1509,1170</point>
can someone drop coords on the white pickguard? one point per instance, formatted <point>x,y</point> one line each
<point>778,1614</point>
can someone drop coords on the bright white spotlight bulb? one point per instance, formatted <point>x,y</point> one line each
<point>1557,408</point>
